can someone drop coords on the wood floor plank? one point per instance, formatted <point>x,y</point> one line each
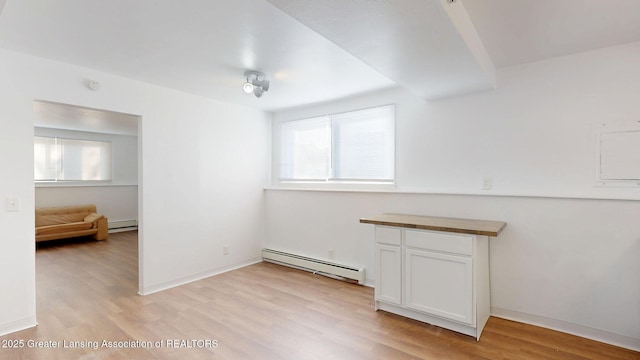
<point>87,291</point>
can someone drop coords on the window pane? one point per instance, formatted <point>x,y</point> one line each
<point>71,160</point>
<point>46,158</point>
<point>85,160</point>
<point>352,146</point>
<point>305,149</point>
<point>363,144</point>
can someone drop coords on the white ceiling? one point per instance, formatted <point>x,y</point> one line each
<point>521,31</point>
<point>198,46</point>
<point>315,52</point>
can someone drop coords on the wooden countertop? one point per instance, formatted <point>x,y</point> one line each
<point>465,226</point>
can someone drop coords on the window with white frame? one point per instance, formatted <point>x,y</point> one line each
<point>356,146</point>
<point>57,159</point>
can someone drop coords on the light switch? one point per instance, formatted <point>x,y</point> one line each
<point>12,204</point>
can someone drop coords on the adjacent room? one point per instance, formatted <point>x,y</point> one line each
<point>87,156</point>
<point>489,149</point>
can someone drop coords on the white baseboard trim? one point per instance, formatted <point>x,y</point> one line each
<point>148,290</point>
<point>569,328</point>
<point>17,325</point>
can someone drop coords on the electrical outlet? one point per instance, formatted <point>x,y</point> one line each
<point>225,250</point>
<point>332,254</point>
<point>487,183</point>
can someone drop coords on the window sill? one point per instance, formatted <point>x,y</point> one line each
<point>335,186</point>
<point>393,189</point>
<point>68,184</point>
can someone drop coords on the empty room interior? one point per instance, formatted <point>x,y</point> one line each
<point>322,179</point>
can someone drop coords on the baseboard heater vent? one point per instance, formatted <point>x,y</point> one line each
<point>122,225</point>
<point>338,271</point>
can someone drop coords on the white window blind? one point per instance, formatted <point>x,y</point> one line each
<point>352,146</point>
<point>305,149</point>
<point>58,159</point>
<point>46,158</point>
<point>363,144</point>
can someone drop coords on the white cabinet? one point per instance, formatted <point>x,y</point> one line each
<point>439,284</point>
<point>434,269</point>
<point>439,274</point>
<point>389,258</point>
<point>437,277</point>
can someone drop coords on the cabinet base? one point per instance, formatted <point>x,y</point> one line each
<point>433,320</point>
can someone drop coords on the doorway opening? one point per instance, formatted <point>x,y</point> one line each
<point>78,176</point>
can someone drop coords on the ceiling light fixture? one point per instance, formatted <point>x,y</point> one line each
<point>247,87</point>
<point>256,83</point>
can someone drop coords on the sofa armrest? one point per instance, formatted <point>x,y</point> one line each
<point>99,222</point>
<point>93,218</point>
<point>103,229</point>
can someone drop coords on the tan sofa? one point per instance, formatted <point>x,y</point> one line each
<point>70,221</point>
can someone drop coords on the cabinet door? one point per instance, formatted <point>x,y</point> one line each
<point>440,284</point>
<point>389,274</point>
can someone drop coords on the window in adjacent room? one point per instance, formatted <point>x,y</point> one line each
<point>356,146</point>
<point>57,159</point>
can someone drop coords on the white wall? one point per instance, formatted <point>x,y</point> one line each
<point>570,255</point>
<point>194,198</point>
<point>117,200</point>
<point>17,245</point>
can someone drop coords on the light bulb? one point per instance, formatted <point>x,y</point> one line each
<point>247,88</point>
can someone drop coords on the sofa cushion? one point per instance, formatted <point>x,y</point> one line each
<point>55,219</point>
<point>54,229</point>
<point>63,214</point>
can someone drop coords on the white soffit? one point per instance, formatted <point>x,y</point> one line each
<point>521,31</point>
<point>77,118</point>
<point>429,47</point>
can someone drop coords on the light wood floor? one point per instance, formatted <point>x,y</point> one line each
<point>86,291</point>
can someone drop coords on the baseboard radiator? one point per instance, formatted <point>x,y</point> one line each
<point>122,225</point>
<point>333,270</point>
